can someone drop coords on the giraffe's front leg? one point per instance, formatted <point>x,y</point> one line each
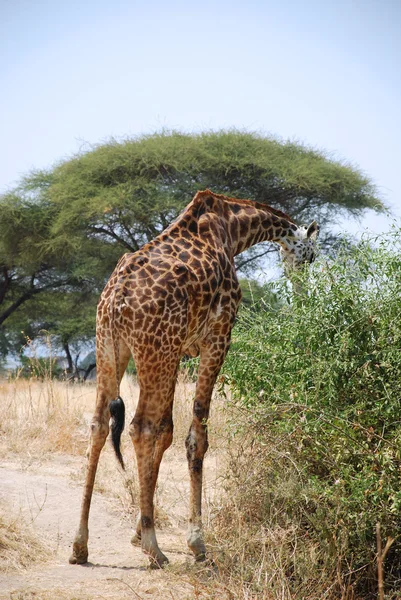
<point>196,445</point>
<point>99,432</point>
<point>212,357</point>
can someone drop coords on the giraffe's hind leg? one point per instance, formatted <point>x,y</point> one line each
<point>151,431</point>
<point>163,441</point>
<point>106,391</point>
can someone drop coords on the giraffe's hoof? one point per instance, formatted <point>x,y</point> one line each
<point>79,555</point>
<point>158,562</point>
<point>197,546</point>
<point>136,539</point>
<point>200,557</point>
<point>206,562</point>
<point>195,543</point>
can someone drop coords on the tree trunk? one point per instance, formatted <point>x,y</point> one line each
<point>4,285</point>
<point>70,367</point>
<point>88,370</point>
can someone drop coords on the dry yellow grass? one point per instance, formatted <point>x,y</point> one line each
<point>20,546</point>
<point>47,416</point>
<point>40,418</point>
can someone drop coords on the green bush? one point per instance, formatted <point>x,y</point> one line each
<point>318,379</point>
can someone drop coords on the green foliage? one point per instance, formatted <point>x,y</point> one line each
<point>258,297</point>
<point>129,191</point>
<point>319,378</point>
<point>40,286</point>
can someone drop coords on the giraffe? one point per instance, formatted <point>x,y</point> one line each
<point>177,295</point>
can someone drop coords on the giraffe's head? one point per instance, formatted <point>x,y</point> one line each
<point>299,248</point>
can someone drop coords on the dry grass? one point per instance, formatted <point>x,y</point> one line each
<point>256,558</point>
<point>20,546</point>
<point>42,417</point>
<point>50,416</point>
<point>39,418</point>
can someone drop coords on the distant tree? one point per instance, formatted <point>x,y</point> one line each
<point>62,230</point>
<point>26,268</point>
<point>42,288</point>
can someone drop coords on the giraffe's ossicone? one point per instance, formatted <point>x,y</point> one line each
<point>177,295</point>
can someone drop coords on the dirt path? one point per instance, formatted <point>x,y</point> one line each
<point>49,495</point>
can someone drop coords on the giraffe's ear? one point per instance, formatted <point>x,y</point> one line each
<point>313,231</point>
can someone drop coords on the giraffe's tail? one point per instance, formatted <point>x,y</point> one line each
<point>116,407</point>
<point>117,412</point>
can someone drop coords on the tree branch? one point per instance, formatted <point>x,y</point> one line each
<point>239,265</point>
<point>88,370</point>
<point>17,304</point>
<point>4,285</point>
<point>32,291</point>
<point>129,233</point>
<point>116,237</point>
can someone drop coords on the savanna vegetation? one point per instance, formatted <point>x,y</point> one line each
<point>316,382</point>
<point>311,423</point>
<point>307,422</point>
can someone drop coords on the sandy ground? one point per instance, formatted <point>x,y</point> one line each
<point>48,495</point>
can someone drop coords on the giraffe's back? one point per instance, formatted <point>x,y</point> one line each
<point>157,301</point>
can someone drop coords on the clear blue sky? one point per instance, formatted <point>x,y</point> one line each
<point>322,71</point>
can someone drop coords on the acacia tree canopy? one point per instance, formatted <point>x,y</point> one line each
<point>62,230</point>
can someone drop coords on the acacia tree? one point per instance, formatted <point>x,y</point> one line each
<point>25,269</point>
<point>43,288</point>
<point>129,191</point>
<point>63,229</point>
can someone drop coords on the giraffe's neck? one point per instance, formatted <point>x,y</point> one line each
<point>234,224</point>
<point>250,223</point>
